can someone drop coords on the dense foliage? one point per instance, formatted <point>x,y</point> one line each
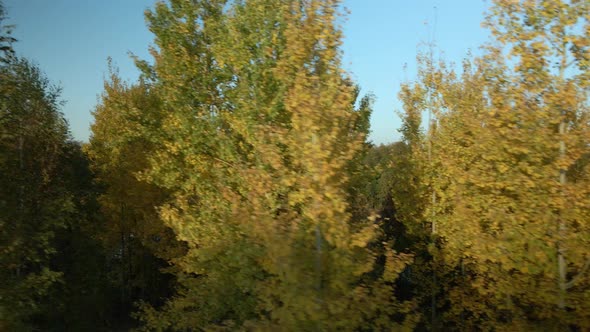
<point>232,186</point>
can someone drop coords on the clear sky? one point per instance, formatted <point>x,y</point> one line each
<point>71,39</point>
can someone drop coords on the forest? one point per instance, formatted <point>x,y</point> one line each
<point>232,187</point>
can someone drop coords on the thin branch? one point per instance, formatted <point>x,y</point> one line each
<point>227,163</point>
<point>575,279</point>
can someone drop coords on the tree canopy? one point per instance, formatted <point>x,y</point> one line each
<point>232,185</point>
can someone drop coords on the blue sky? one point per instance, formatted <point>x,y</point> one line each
<point>71,39</point>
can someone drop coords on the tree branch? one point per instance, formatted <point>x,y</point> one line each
<point>575,279</point>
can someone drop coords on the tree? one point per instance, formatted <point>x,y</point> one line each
<point>551,43</point>
<point>85,298</point>
<point>507,134</point>
<point>6,39</point>
<point>258,134</point>
<point>34,202</point>
<point>324,285</point>
<point>191,162</point>
<point>140,244</point>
